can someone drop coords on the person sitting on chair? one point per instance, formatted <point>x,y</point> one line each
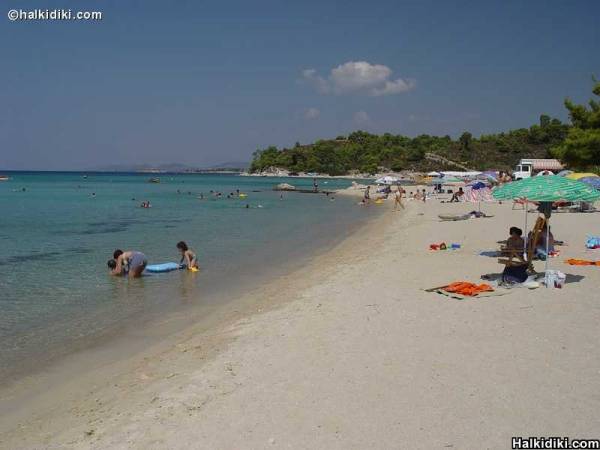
<point>516,272</point>
<point>541,252</point>
<point>515,243</point>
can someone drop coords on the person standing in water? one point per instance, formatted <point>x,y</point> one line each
<point>315,185</point>
<point>188,257</point>
<point>130,263</point>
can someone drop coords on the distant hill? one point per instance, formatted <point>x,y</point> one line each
<point>370,153</point>
<point>171,167</point>
<point>142,167</point>
<point>231,165</point>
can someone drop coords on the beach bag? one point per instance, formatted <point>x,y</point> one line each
<point>593,242</point>
<point>555,279</point>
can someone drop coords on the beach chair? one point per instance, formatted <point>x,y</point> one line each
<point>518,258</point>
<point>519,202</point>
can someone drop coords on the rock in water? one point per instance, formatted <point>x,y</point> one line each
<point>284,187</point>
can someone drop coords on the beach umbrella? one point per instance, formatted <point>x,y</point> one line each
<point>564,173</point>
<point>387,180</point>
<point>547,189</point>
<point>577,176</point>
<point>592,181</point>
<point>451,181</point>
<point>478,192</point>
<point>550,188</point>
<point>477,184</point>
<point>491,175</point>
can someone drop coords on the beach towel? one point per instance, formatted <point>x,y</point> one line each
<point>466,288</point>
<point>453,217</point>
<point>496,293</point>
<point>582,262</point>
<point>491,253</point>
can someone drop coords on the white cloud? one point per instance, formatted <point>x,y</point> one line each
<point>311,113</point>
<point>394,87</point>
<point>354,76</point>
<point>319,83</point>
<point>358,77</point>
<point>361,118</point>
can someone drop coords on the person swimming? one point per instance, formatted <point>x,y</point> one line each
<point>188,257</point>
<point>130,263</point>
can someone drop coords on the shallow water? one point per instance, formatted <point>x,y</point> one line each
<point>56,237</point>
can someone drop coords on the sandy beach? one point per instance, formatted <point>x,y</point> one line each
<point>350,352</point>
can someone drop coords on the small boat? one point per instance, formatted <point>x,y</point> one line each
<point>154,180</point>
<point>4,178</point>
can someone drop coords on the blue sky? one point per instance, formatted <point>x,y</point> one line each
<point>203,82</point>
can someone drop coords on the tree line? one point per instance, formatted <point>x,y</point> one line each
<point>577,144</point>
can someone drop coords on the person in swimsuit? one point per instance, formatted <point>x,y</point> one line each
<point>130,263</point>
<point>398,198</point>
<point>457,195</point>
<point>188,257</point>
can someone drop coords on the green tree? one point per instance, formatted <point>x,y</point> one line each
<point>581,147</point>
<point>544,120</point>
<point>465,140</point>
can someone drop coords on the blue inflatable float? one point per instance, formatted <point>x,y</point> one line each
<point>164,267</point>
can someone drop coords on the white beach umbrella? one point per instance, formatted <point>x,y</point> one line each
<point>387,180</point>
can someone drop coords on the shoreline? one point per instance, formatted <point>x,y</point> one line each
<point>227,265</point>
<point>26,390</point>
<point>351,352</point>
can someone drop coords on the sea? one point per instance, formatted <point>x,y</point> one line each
<point>58,229</point>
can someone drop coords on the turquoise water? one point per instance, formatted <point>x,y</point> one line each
<point>56,237</point>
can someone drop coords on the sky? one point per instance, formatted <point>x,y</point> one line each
<point>206,82</point>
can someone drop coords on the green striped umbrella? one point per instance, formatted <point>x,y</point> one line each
<point>547,188</point>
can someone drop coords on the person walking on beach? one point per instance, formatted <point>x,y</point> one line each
<point>398,199</point>
<point>130,263</point>
<point>367,197</point>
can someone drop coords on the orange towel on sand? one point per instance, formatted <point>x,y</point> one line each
<point>466,288</point>
<point>582,262</point>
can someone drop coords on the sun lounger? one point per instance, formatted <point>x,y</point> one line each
<point>516,257</point>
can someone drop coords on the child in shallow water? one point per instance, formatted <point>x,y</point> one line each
<point>188,257</point>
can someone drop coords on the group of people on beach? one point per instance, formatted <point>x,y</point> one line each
<point>399,194</point>
<point>515,245</point>
<point>132,263</point>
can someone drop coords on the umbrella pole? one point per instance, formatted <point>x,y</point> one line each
<point>547,253</point>
<point>525,232</point>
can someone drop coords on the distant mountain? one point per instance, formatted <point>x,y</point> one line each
<point>231,165</point>
<point>171,167</point>
<point>142,168</point>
